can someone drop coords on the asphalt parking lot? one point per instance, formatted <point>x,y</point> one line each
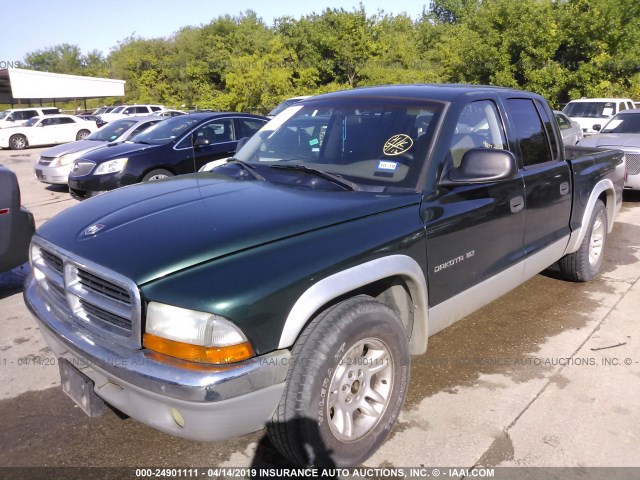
<point>547,376</point>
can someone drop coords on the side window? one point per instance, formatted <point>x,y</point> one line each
<point>530,133</point>
<point>223,130</point>
<point>27,114</point>
<point>478,126</point>
<point>622,106</point>
<point>155,109</point>
<point>47,122</point>
<point>129,111</point>
<point>65,120</point>
<point>19,116</point>
<point>249,126</point>
<point>142,109</point>
<point>562,122</point>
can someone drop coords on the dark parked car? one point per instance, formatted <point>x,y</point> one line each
<point>16,223</point>
<point>175,146</point>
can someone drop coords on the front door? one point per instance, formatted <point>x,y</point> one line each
<point>473,231</point>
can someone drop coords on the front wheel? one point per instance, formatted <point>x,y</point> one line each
<point>585,263</point>
<point>18,142</point>
<point>346,384</point>
<point>82,134</point>
<point>157,174</point>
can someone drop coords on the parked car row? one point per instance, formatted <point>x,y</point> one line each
<point>15,117</point>
<point>592,113</point>
<point>622,132</point>
<point>137,149</point>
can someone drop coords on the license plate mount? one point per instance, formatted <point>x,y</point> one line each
<point>80,389</point>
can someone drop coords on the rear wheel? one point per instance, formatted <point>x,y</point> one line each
<point>346,385</point>
<point>585,263</point>
<point>82,134</point>
<point>18,142</point>
<point>157,174</point>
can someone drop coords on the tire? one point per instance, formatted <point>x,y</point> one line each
<point>157,174</point>
<point>352,358</point>
<point>82,134</point>
<point>585,263</point>
<point>18,142</point>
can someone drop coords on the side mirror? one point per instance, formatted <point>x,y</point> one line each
<point>597,127</point>
<point>481,165</point>
<point>241,143</point>
<point>201,142</point>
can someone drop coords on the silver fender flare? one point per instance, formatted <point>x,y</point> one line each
<point>577,236</point>
<point>338,284</point>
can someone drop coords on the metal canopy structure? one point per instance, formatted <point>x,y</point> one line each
<point>20,87</point>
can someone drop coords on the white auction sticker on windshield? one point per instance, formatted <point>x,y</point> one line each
<point>387,166</point>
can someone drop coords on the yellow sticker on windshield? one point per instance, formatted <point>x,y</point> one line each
<point>397,144</point>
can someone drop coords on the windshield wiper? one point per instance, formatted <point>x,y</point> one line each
<point>247,167</point>
<point>332,177</point>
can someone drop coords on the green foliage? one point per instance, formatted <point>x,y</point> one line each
<point>560,49</point>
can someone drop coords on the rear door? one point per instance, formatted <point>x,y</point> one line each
<point>67,130</point>
<point>547,177</point>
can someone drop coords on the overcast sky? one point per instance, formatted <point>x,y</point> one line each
<point>39,24</point>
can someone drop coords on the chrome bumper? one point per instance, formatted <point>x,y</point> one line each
<point>215,402</point>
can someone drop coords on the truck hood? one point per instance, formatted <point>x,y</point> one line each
<point>613,140</point>
<point>151,230</point>
<point>73,147</point>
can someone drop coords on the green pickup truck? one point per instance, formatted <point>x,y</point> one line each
<point>290,286</point>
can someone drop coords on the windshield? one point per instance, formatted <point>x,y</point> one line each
<point>590,109</point>
<point>32,121</point>
<point>4,114</point>
<point>374,142</point>
<point>623,123</point>
<point>117,110</point>
<point>112,131</point>
<point>165,131</point>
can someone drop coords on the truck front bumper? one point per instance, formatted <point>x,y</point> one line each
<point>213,402</point>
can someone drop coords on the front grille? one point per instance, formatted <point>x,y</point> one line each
<point>633,163</point>
<point>46,160</point>
<point>100,285</point>
<point>97,314</point>
<point>52,260</point>
<point>81,168</point>
<point>100,300</point>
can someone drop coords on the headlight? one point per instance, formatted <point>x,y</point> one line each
<point>194,336</point>
<point>64,160</point>
<point>112,166</point>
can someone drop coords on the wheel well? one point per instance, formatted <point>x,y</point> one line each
<point>157,168</point>
<point>393,292</point>
<point>26,140</point>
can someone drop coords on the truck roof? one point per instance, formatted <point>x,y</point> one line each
<point>442,92</point>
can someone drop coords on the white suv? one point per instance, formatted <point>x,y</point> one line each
<point>124,111</point>
<point>590,112</point>
<point>15,117</point>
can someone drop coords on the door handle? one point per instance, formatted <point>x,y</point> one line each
<point>516,204</point>
<point>564,188</point>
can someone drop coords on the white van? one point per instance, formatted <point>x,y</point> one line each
<point>595,111</point>
<point>15,117</point>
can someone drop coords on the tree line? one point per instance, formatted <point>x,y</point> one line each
<point>562,49</point>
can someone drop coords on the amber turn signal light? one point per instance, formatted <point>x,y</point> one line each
<point>198,353</point>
